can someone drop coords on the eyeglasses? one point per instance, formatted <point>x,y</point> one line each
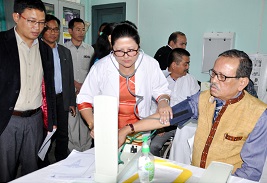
<point>220,76</point>
<point>130,53</point>
<point>56,29</point>
<point>32,23</point>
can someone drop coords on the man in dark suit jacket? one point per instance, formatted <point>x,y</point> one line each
<point>176,40</point>
<point>26,87</point>
<point>64,85</point>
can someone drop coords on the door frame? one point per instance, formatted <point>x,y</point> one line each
<point>97,8</point>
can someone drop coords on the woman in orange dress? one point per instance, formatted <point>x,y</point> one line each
<point>128,74</point>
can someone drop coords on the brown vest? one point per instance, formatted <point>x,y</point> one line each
<point>223,140</point>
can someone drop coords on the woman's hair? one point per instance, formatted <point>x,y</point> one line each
<point>103,47</point>
<point>130,23</point>
<point>125,30</point>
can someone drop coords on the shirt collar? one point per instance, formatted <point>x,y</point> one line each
<point>20,40</point>
<point>235,99</point>
<point>83,44</point>
<point>166,72</point>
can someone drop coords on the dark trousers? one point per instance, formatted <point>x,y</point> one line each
<point>60,138</point>
<point>19,144</point>
<point>158,141</point>
<point>61,135</point>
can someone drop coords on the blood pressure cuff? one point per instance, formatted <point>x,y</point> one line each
<point>182,112</point>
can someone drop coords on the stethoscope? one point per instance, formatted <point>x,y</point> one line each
<point>127,77</point>
<point>139,99</point>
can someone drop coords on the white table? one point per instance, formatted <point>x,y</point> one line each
<point>42,175</point>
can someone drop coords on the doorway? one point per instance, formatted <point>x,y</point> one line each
<point>115,12</point>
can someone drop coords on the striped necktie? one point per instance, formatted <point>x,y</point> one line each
<point>218,107</point>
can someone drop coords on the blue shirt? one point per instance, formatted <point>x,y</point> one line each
<point>57,67</point>
<point>254,150</point>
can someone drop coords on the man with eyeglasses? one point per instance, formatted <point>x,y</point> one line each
<point>232,124</point>
<point>64,85</point>
<point>27,94</point>
<point>82,54</point>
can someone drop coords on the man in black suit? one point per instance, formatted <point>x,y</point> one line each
<point>176,40</point>
<point>64,85</point>
<point>27,93</point>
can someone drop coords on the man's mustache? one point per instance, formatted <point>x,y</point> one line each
<point>214,85</point>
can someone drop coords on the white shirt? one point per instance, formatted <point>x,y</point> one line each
<point>81,58</point>
<point>31,75</point>
<point>182,88</point>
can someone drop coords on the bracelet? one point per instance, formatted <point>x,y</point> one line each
<point>167,100</point>
<point>132,127</point>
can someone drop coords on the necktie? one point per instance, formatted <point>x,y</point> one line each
<point>217,109</point>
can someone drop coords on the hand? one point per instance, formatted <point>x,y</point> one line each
<point>73,111</point>
<point>91,127</point>
<point>92,133</point>
<point>165,112</point>
<point>123,132</point>
<point>77,87</point>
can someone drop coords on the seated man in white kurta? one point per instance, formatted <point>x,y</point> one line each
<point>182,85</point>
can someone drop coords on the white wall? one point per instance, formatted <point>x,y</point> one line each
<point>88,18</point>
<point>157,19</point>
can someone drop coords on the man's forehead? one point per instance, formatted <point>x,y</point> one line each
<point>185,58</point>
<point>226,63</point>
<point>78,24</point>
<point>52,22</point>
<point>34,13</point>
<point>181,38</point>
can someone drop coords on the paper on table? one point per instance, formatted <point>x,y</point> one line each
<point>78,165</point>
<point>45,146</point>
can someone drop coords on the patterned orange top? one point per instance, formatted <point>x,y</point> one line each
<point>127,103</point>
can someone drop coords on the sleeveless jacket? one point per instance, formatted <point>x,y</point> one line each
<point>223,140</point>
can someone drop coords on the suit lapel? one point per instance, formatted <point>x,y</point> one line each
<point>43,53</point>
<point>12,49</point>
<point>61,53</point>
